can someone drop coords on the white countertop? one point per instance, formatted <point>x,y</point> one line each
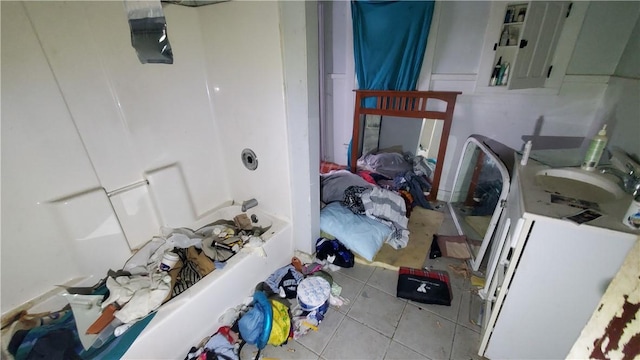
<point>537,201</point>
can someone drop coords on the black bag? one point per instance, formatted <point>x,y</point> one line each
<point>427,287</point>
<point>326,248</point>
<point>434,252</point>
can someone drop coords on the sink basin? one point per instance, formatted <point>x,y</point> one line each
<point>580,184</point>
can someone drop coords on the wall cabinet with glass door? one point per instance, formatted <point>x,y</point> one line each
<point>520,42</point>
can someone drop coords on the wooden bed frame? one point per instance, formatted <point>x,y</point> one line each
<point>411,104</point>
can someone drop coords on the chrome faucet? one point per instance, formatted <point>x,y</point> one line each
<point>629,181</point>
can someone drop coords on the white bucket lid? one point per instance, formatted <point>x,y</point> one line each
<point>313,292</point>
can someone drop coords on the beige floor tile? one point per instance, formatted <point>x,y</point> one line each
<point>385,280</point>
<point>358,272</point>
<point>463,315</point>
<point>425,332</point>
<point>316,341</point>
<point>465,344</point>
<point>290,351</point>
<point>378,310</point>
<point>397,351</point>
<point>350,289</point>
<point>353,340</point>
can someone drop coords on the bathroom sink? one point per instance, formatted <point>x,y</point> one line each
<point>580,184</point>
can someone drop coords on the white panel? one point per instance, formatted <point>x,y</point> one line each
<point>340,25</point>
<point>245,72</point>
<point>460,35</point>
<point>135,117</point>
<point>342,120</point>
<point>42,159</point>
<point>542,29</point>
<point>299,21</point>
<point>75,53</point>
<point>171,197</point>
<point>604,35</point>
<point>136,215</point>
<point>97,241</point>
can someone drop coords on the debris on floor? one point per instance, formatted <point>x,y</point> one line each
<point>288,304</point>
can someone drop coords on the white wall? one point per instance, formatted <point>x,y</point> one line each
<point>628,65</point>
<point>606,31</point>
<point>339,80</point>
<point>460,34</point>
<point>244,65</point>
<point>82,117</point>
<point>299,30</point>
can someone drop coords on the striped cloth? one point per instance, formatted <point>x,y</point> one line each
<point>389,208</point>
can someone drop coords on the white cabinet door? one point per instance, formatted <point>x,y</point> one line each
<point>530,47</point>
<point>537,43</point>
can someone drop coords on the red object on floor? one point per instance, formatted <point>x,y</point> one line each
<point>326,166</point>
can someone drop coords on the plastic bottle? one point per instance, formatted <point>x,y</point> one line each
<point>526,153</point>
<point>632,216</point>
<point>505,75</point>
<point>594,152</point>
<point>496,72</point>
<point>504,37</point>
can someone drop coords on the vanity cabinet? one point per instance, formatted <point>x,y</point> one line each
<point>520,42</point>
<point>549,273</point>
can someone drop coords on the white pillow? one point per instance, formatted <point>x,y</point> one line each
<point>359,233</point>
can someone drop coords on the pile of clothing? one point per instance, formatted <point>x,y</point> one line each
<point>268,316</point>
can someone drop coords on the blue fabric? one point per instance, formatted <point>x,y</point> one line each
<point>255,324</point>
<point>389,39</point>
<point>359,233</point>
<point>65,323</point>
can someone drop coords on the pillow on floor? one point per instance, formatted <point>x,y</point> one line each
<point>359,233</point>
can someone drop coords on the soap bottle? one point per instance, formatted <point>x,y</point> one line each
<point>594,152</point>
<point>496,73</point>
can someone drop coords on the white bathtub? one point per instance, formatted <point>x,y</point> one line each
<point>184,320</point>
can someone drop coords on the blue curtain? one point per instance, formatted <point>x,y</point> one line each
<point>389,39</point>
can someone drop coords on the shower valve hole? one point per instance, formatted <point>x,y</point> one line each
<point>249,159</point>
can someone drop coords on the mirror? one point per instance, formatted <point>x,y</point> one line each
<point>415,122</point>
<point>479,191</point>
<point>417,136</point>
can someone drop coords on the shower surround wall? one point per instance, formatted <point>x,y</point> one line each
<point>82,118</point>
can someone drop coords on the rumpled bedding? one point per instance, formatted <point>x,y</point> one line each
<point>387,164</point>
<point>388,207</point>
<point>334,184</point>
<point>376,192</point>
<point>384,206</point>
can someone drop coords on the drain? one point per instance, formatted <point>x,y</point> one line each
<point>249,159</point>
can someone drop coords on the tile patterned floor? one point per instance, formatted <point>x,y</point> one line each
<point>378,325</point>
